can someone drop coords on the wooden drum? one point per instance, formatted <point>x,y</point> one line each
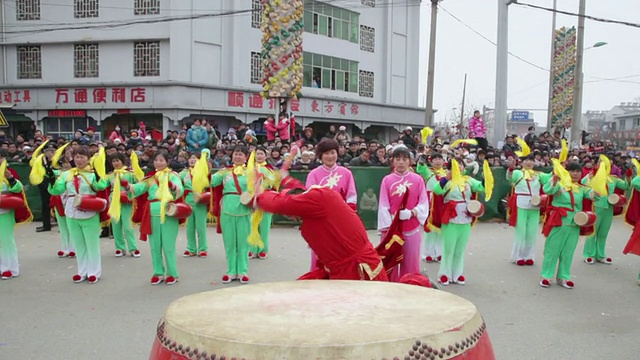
<point>617,200</point>
<point>90,203</point>
<point>11,202</point>
<point>475,208</point>
<point>179,210</point>
<point>585,218</point>
<point>322,320</point>
<point>539,200</point>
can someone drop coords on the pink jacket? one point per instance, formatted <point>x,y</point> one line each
<point>477,128</point>
<point>270,128</point>
<point>114,135</point>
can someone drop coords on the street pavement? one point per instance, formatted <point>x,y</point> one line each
<point>47,316</point>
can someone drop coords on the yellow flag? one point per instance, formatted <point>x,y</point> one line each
<point>562,173</point>
<point>36,176</point>
<point>99,163</point>
<point>457,178</point>
<point>251,173</point>
<point>164,192</point>
<point>488,180</point>
<point>37,152</point>
<point>525,148</point>
<point>466,141</point>
<point>564,152</point>
<point>425,133</point>
<point>115,207</point>
<point>55,160</point>
<point>135,166</point>
<point>200,174</point>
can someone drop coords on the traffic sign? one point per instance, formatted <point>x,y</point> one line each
<point>3,121</point>
<point>519,116</point>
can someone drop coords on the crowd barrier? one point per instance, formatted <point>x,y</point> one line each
<point>368,181</point>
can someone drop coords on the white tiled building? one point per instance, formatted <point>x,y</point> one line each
<point>67,64</point>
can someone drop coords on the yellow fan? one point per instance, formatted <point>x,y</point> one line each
<point>37,152</point>
<point>135,166</point>
<point>599,181</point>
<point>562,174</point>
<point>200,174</point>
<point>36,176</point>
<point>465,141</point>
<point>488,180</point>
<point>564,152</point>
<point>425,133</point>
<point>99,163</point>
<point>525,148</point>
<point>55,160</point>
<point>457,178</point>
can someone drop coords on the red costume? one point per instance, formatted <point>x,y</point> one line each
<point>632,217</point>
<point>332,230</point>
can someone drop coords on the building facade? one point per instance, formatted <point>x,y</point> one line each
<point>70,64</point>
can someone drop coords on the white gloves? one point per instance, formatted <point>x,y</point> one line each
<point>405,214</point>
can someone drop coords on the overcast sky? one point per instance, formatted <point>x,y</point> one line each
<point>460,51</point>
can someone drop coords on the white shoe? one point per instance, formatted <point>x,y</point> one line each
<point>119,253</point>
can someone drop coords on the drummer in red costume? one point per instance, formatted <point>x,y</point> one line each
<point>330,227</point>
<point>632,216</point>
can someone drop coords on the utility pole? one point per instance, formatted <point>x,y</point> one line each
<point>464,93</point>
<point>502,71</point>
<point>576,119</point>
<point>428,111</point>
<point>551,70</point>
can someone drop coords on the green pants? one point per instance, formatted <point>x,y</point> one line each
<point>8,249</point>
<point>65,238</point>
<point>559,248</point>
<point>265,229</point>
<point>454,243</point>
<point>123,231</point>
<point>85,234</point>
<point>595,245</point>
<point>163,242</point>
<point>526,233</point>
<point>197,225</point>
<point>235,232</point>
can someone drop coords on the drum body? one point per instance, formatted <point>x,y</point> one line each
<point>617,200</point>
<point>124,198</point>
<point>298,320</point>
<point>539,200</point>
<point>90,203</point>
<point>475,208</point>
<point>11,202</point>
<point>202,198</point>
<point>585,218</point>
<point>179,210</point>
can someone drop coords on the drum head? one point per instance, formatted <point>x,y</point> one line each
<point>321,320</point>
<point>474,206</point>
<point>580,218</point>
<point>171,209</point>
<point>614,199</point>
<point>245,198</point>
<point>77,200</point>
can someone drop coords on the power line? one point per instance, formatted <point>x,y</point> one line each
<point>594,18</point>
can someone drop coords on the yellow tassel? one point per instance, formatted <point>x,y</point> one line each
<point>251,173</point>
<point>99,162</point>
<point>425,133</point>
<point>200,175</point>
<point>562,173</point>
<point>564,152</point>
<point>525,148</point>
<point>3,169</point>
<point>37,153</point>
<point>115,208</point>
<point>135,166</point>
<point>164,192</point>
<point>488,180</point>
<point>55,160</point>
<point>457,178</point>
<point>465,141</point>
<point>36,176</point>
<point>254,236</point>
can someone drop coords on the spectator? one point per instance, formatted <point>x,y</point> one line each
<point>471,165</point>
<point>531,138</point>
<point>477,130</point>
<point>363,160</point>
<point>510,146</point>
<point>354,149</point>
<point>307,136</point>
<point>221,160</point>
<point>380,158</point>
<point>231,135</point>
<point>305,162</point>
<point>134,139</point>
<point>197,137</point>
<point>275,159</point>
<point>407,138</point>
<point>332,132</point>
<point>13,154</point>
<point>212,137</point>
<point>116,134</point>
<point>343,157</point>
<point>270,128</point>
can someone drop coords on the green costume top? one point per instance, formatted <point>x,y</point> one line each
<point>88,184</point>
<point>458,198</point>
<point>185,176</point>
<point>271,177</point>
<point>150,186</point>
<point>527,183</point>
<point>429,175</point>
<point>231,204</point>
<point>562,199</point>
<point>635,183</point>
<point>125,174</point>
<point>612,184</point>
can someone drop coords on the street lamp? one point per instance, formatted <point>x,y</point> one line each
<point>597,45</point>
<point>576,123</point>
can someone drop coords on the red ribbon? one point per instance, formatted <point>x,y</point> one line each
<point>145,225</point>
<point>554,219</point>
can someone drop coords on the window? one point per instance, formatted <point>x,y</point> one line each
<point>366,83</point>
<point>371,3</point>
<point>29,62</point>
<point>256,68</point>
<point>146,58</point>
<point>367,38</point>
<point>256,14</point>
<point>146,7</point>
<point>85,9</point>
<point>327,72</point>
<point>28,10</point>
<point>66,127</point>
<point>331,21</point>
<point>86,60</point>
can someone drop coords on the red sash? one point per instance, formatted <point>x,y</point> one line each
<point>56,203</point>
<point>632,217</point>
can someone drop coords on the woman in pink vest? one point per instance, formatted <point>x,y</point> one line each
<point>333,176</point>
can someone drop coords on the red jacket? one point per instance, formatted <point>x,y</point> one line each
<point>283,129</point>
<point>270,128</point>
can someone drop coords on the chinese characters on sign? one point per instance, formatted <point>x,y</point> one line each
<point>237,99</point>
<point>100,95</point>
<point>15,96</point>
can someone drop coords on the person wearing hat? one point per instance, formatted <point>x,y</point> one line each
<point>522,215</point>
<point>457,191</point>
<point>333,176</point>
<point>407,138</point>
<point>431,249</point>
<point>595,246</point>
<point>567,197</point>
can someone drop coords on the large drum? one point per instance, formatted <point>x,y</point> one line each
<point>617,200</point>
<point>179,210</point>
<point>11,202</point>
<point>585,218</point>
<point>475,208</point>
<point>322,320</point>
<point>90,203</point>
<point>539,200</point>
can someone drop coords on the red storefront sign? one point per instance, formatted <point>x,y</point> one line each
<point>245,100</point>
<point>15,96</point>
<point>67,113</point>
<point>100,95</point>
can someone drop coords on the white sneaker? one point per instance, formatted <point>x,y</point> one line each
<point>119,253</point>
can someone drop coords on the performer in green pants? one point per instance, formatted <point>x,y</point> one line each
<point>568,197</point>
<point>522,214</point>
<point>431,249</point>
<point>156,190</point>
<point>457,190</point>
<point>271,179</point>
<point>594,247</point>
<point>119,211</point>
<point>84,226</point>
<point>197,222</point>
<point>235,218</point>
<point>9,184</point>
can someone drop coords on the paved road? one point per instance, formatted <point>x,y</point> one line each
<point>47,316</point>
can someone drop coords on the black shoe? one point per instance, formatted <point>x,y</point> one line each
<point>104,234</point>
<point>42,228</point>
